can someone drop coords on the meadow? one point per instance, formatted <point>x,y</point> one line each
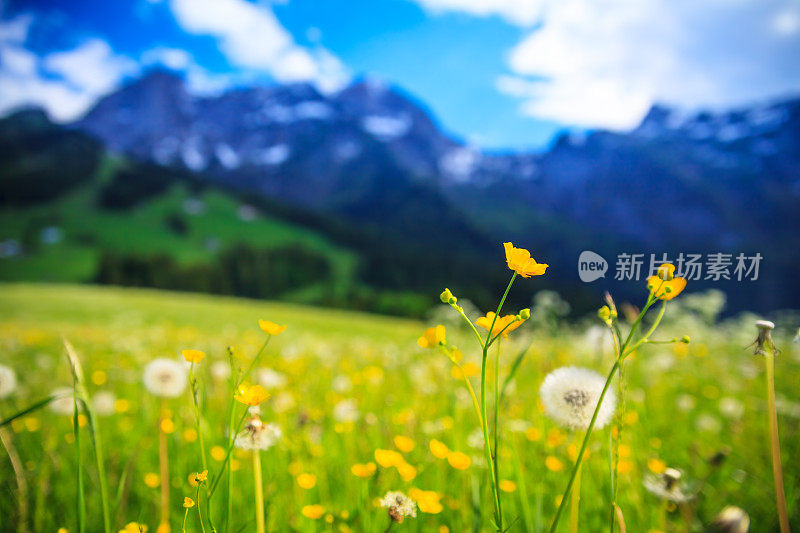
<point>363,409</point>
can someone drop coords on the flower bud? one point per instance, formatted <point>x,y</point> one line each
<point>685,339</point>
<point>666,271</point>
<point>525,314</point>
<point>764,339</point>
<point>447,297</point>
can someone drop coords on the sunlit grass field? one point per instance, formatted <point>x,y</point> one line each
<point>345,385</point>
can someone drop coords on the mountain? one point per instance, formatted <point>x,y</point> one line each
<point>701,182</point>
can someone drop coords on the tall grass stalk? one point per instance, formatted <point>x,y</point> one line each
<point>163,463</point>
<point>259,491</point>
<point>81,499</point>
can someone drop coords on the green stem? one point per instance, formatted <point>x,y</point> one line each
<point>259,491</point>
<point>198,418</point>
<point>81,502</point>
<point>227,457</point>
<point>513,371</point>
<point>499,308</point>
<point>471,390</point>
<point>575,503</point>
<point>497,425</point>
<point>199,514</point>
<point>486,449</point>
<point>777,471</point>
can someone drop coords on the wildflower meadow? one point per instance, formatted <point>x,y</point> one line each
<point>131,410</point>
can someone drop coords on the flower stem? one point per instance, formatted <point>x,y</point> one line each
<point>164,466</point>
<point>259,491</point>
<point>486,444</point>
<point>575,502</point>
<point>777,471</point>
<point>497,421</point>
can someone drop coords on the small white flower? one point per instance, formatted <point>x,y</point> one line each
<point>570,395</point>
<point>103,403</point>
<point>341,384</point>
<point>686,402</point>
<point>270,379</point>
<point>731,408</point>
<point>65,404</point>
<point>8,381</point>
<point>258,436</point>
<point>165,377</point>
<point>346,411</point>
<point>220,370</point>
<point>399,506</point>
<point>475,439</point>
<point>709,423</point>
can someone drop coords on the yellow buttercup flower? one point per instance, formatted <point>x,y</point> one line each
<point>459,461</point>
<point>387,458</point>
<point>270,328</point>
<point>428,501</point>
<point>152,480</point>
<point>506,485</point>
<point>403,443</point>
<point>553,463</point>
<point>520,261</point>
<point>439,449</point>
<point>193,356</point>
<point>188,502</point>
<point>663,285</point>
<point>363,470</point>
<point>307,481</point>
<point>406,471</point>
<point>432,337</point>
<point>502,321</point>
<point>314,512</point>
<point>251,395</point>
<point>133,527</point>
<point>656,465</point>
<point>197,478</point>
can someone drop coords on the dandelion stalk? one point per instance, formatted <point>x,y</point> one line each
<point>259,491</point>
<point>198,417</point>
<point>19,474</point>
<point>777,471</point>
<point>163,465</point>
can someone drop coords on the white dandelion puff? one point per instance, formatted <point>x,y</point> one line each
<point>346,411</point>
<point>220,370</point>
<point>271,379</point>
<point>64,405</point>
<point>8,381</point>
<point>399,506</point>
<point>570,395</point>
<point>165,377</point>
<point>668,486</point>
<point>258,436</point>
<point>103,403</point>
<point>731,408</point>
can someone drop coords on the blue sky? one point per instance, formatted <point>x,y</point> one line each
<point>499,74</point>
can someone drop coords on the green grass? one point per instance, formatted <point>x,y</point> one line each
<point>675,411</point>
<point>88,231</point>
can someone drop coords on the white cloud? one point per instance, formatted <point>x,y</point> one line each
<point>518,12</point>
<point>64,83</point>
<point>252,37</point>
<point>603,64</point>
<point>172,58</point>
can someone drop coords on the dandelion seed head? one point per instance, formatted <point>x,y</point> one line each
<point>64,405</point>
<point>165,377</point>
<point>346,411</point>
<point>570,395</point>
<point>258,436</point>
<point>668,486</point>
<point>399,506</point>
<point>8,381</point>
<point>104,402</point>
<point>732,520</point>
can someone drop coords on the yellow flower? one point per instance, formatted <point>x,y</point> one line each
<point>270,328</point>
<point>663,285</point>
<point>307,481</point>
<point>486,322</point>
<point>197,478</point>
<point>533,434</point>
<point>404,444</point>
<point>251,395</point>
<point>468,369</point>
<point>506,485</point>
<point>387,458</point>
<point>520,261</point>
<point>459,461</point>
<point>193,356</point>
<point>553,463</point>
<point>314,512</point>
<point>428,501</point>
<point>406,471</point>
<point>218,453</point>
<point>439,449</point>
<point>152,480</point>
<point>62,530</point>
<point>432,337</point>
<point>188,502</point>
<point>363,470</point>
<point>656,465</point>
